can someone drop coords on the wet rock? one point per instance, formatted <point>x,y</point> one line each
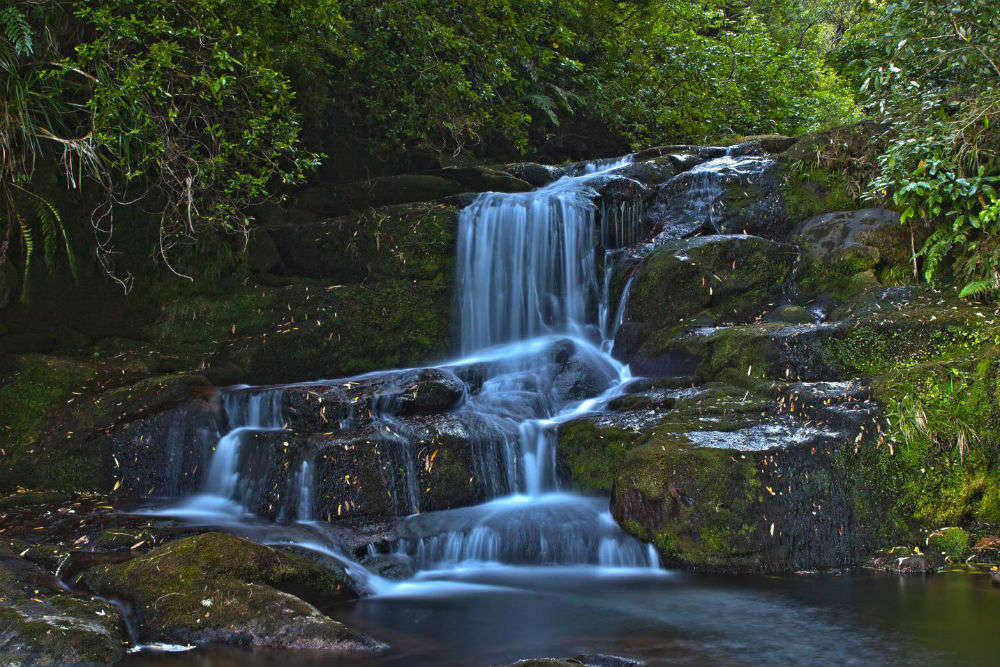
<point>792,315</point>
<point>378,469</point>
<point>736,480</point>
<point>195,591</point>
<point>390,566</point>
<point>483,179</point>
<point>727,195</point>
<point>320,407</point>
<point>344,198</point>
<point>650,173</point>
<point>412,241</point>
<point>536,174</point>
<point>40,624</point>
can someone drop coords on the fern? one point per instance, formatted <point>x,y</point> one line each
<point>29,250</point>
<point>546,105</point>
<point>977,288</point>
<point>17,30</point>
<point>53,230</point>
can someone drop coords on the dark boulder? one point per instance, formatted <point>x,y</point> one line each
<point>195,591</point>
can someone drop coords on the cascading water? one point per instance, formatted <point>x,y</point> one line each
<point>536,326</point>
<point>528,281</point>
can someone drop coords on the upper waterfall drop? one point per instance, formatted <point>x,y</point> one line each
<point>526,262</point>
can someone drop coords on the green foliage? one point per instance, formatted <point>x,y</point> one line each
<point>195,112</point>
<point>30,114</point>
<point>931,71</point>
<point>188,103</point>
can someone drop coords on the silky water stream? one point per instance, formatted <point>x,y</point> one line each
<point>536,570</point>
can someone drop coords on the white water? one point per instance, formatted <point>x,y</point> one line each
<point>537,325</point>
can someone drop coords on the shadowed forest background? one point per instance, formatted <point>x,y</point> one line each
<point>172,123</point>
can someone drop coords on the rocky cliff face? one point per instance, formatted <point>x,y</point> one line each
<point>768,310</point>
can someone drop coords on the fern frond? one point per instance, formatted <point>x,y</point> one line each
<point>29,250</point>
<point>17,30</point>
<point>977,288</point>
<point>53,228</point>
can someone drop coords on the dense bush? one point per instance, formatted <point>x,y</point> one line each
<point>198,110</point>
<point>932,71</point>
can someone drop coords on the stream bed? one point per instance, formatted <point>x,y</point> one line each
<point>666,618</point>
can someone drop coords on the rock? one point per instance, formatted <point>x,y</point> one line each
<point>911,565</point>
<point>483,179</point>
<point>769,143</point>
<point>40,624</point>
<point>731,480</point>
<point>315,407</point>
<point>733,277</point>
<point>193,590</point>
<point>588,456</point>
<point>650,173</point>
<point>264,334</point>
<point>415,241</point>
<point>262,253</point>
<point>792,315</point>
<point>712,279</point>
<point>729,195</point>
<point>383,191</point>
<point>374,470</point>
<point>846,247</point>
<point>987,549</point>
<point>536,174</point>
<point>828,170</point>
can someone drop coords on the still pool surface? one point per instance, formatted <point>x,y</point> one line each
<point>496,615</point>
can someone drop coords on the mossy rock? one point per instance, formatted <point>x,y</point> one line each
<point>410,241</point>
<point>588,456</point>
<point>483,179</point>
<point>788,507</point>
<point>847,251</point>
<point>310,329</point>
<point>829,170</point>
<point>730,278</point>
<point>58,411</point>
<point>220,589</point>
<point>709,280</point>
<point>42,625</point>
<point>358,196</point>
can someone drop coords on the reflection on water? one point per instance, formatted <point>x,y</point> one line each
<point>672,619</point>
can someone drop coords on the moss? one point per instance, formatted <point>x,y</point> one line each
<point>34,386</point>
<point>727,279</point>
<point>692,501</point>
<point>944,414</point>
<point>952,542</point>
<point>309,329</point>
<point>829,170</point>
<point>197,583</point>
<point>588,455</point>
<point>414,241</point>
<point>810,189</point>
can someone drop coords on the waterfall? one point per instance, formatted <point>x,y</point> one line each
<point>536,326</point>
<point>305,481</point>
<point>531,305</point>
<point>221,495</point>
